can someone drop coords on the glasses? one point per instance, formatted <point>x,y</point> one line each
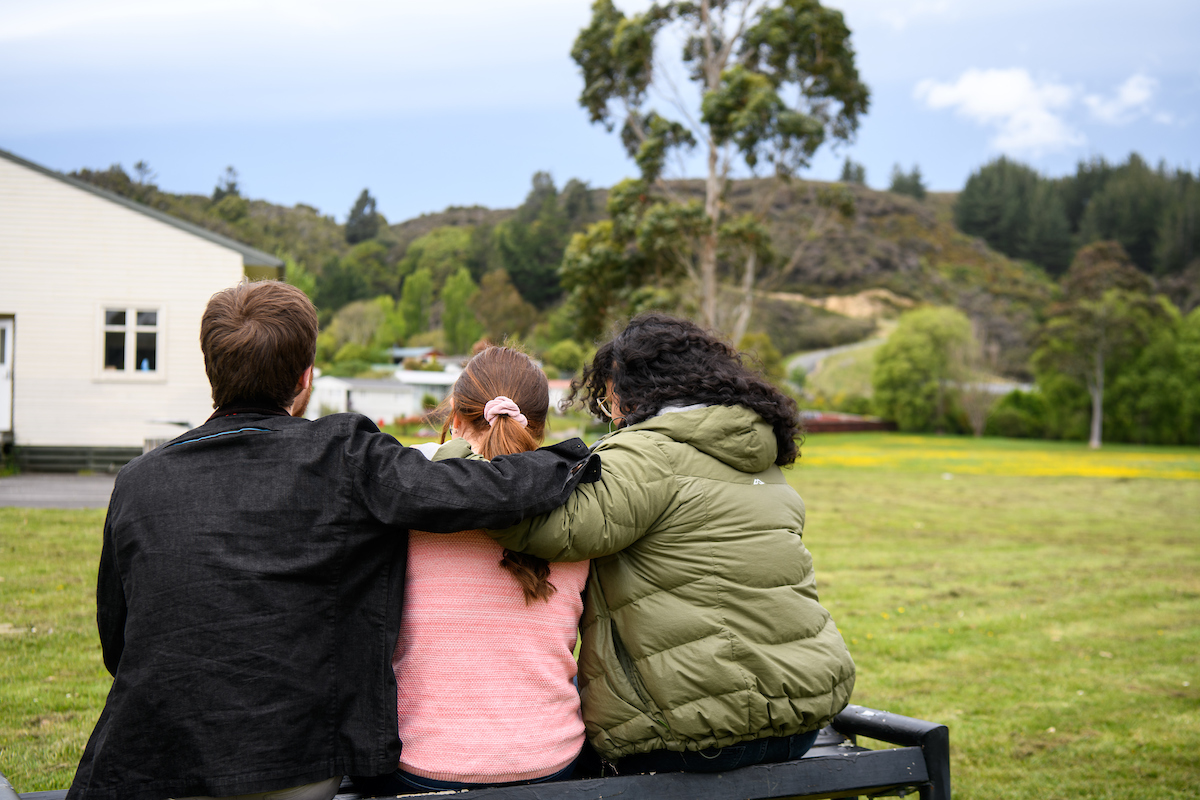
<point>604,406</point>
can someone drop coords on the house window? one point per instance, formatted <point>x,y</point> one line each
<point>130,340</point>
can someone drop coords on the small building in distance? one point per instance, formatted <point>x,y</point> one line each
<point>100,306</point>
<point>558,391</point>
<point>423,355</point>
<point>399,397</point>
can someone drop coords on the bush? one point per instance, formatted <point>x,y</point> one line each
<point>355,352</point>
<point>417,365</point>
<point>917,368</point>
<point>855,404</point>
<point>1018,415</point>
<point>762,354</point>
<point>347,369</point>
<point>566,356</point>
<point>844,402</point>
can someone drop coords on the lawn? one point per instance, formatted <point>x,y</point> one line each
<point>1041,600</point>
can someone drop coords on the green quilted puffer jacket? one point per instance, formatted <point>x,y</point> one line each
<point>702,626</point>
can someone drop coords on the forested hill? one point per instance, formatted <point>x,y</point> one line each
<point>300,232</point>
<point>827,242</point>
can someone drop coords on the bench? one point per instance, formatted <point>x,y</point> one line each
<point>835,767</point>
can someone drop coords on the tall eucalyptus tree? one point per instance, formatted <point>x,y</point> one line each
<point>772,81</point>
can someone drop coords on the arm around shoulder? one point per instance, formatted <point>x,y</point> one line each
<point>400,487</point>
<point>636,486</point>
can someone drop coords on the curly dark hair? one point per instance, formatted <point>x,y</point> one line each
<point>660,360</point>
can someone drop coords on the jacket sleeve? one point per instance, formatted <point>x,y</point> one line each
<point>635,488</point>
<point>110,601</point>
<point>399,486</point>
<point>456,448</point>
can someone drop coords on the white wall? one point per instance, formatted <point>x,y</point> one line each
<point>387,401</point>
<point>328,397</point>
<point>66,254</point>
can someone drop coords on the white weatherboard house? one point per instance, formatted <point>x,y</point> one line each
<point>100,305</point>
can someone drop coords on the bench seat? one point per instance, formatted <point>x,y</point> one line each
<point>835,767</point>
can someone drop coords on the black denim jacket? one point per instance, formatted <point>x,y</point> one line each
<point>250,591</point>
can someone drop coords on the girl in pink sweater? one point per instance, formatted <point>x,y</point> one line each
<point>484,664</point>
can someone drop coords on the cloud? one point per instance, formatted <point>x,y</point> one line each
<point>900,14</point>
<point>1132,100</point>
<point>1026,114</point>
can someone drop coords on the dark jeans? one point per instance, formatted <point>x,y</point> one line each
<point>401,782</point>
<point>760,751</point>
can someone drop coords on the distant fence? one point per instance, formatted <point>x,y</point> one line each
<point>827,422</point>
<point>843,426</point>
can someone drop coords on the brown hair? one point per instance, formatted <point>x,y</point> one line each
<point>496,372</point>
<point>257,339</point>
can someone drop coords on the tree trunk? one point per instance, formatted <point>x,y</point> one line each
<point>708,243</point>
<point>742,320</point>
<point>1096,389</point>
<point>940,408</point>
<point>712,186</point>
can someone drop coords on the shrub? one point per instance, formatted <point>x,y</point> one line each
<point>762,354</point>
<point>352,351</point>
<point>918,367</point>
<point>1018,415</point>
<point>565,356</point>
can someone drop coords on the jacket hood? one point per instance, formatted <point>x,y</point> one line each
<point>734,435</point>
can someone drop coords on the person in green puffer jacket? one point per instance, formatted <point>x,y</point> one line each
<point>704,645</point>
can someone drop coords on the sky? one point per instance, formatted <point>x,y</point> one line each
<point>459,102</point>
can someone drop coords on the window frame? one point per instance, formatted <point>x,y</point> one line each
<point>131,329</point>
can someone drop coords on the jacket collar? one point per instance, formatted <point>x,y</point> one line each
<point>265,408</point>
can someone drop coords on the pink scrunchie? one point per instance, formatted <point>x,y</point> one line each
<point>503,406</point>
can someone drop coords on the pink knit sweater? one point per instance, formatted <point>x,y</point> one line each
<point>484,680</point>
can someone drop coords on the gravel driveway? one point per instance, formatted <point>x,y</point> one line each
<point>45,490</point>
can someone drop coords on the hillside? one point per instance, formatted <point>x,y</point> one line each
<point>892,242</point>
<point>896,250</point>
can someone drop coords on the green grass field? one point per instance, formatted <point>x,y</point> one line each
<point>1041,600</point>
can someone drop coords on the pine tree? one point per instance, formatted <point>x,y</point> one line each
<point>909,183</point>
<point>1048,242</point>
<point>853,172</point>
<point>363,222</point>
<point>1129,209</point>
<point>995,205</point>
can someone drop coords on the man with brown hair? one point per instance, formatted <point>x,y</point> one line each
<point>252,574</point>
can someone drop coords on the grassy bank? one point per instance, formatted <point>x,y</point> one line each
<point>844,374</point>
<point>1041,600</point>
